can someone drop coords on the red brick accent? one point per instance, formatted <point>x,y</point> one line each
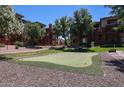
<point>3,41</point>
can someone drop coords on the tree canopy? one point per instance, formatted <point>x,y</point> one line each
<point>33,32</point>
<point>118,10</point>
<point>81,24</point>
<point>65,28</point>
<point>57,28</point>
<point>9,22</point>
<point>77,26</point>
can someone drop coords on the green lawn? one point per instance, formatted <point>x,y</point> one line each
<point>105,49</point>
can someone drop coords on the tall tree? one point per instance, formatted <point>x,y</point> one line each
<point>82,24</point>
<point>33,32</point>
<point>56,28</point>
<point>9,23</point>
<point>65,28</point>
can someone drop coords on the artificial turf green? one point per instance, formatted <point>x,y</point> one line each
<point>67,59</point>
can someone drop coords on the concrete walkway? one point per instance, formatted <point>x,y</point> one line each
<point>11,49</point>
<point>117,55</point>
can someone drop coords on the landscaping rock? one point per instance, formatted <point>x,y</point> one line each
<point>25,76</point>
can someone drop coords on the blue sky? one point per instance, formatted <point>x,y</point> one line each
<point>48,14</point>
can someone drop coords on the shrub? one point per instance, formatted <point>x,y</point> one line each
<point>19,44</point>
<point>112,50</point>
<point>2,45</point>
<point>16,47</point>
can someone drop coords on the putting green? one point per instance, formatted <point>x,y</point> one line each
<point>67,59</point>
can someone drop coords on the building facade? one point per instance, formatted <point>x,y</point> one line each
<point>49,38</point>
<point>104,32</point>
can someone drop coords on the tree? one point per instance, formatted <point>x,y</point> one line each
<point>33,32</point>
<point>9,23</point>
<point>56,28</point>
<point>118,10</point>
<point>82,24</point>
<point>65,28</point>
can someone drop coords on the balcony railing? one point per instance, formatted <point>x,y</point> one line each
<point>112,24</point>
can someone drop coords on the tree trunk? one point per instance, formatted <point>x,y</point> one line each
<point>80,38</point>
<point>65,41</point>
<point>57,40</point>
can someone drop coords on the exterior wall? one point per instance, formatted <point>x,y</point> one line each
<point>103,23</point>
<point>7,42</point>
<point>49,38</point>
<point>122,37</point>
<point>103,32</point>
<point>74,41</point>
<point>106,34</point>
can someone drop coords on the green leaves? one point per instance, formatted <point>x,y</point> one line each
<point>76,26</point>
<point>62,27</point>
<point>33,32</point>
<point>82,24</point>
<point>118,10</point>
<point>57,28</point>
<point>9,22</point>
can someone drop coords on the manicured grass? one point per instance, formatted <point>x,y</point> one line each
<point>95,49</point>
<point>105,49</point>
<point>67,59</point>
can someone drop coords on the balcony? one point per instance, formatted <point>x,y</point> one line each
<point>112,24</point>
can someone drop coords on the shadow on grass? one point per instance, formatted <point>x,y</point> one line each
<point>4,58</point>
<point>111,45</point>
<point>74,49</point>
<point>118,63</point>
<point>94,69</point>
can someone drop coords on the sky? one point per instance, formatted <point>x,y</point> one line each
<point>48,14</point>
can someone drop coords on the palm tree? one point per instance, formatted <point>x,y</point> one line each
<point>65,28</point>
<point>56,28</point>
<point>82,24</point>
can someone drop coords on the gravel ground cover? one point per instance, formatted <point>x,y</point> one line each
<point>17,75</point>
